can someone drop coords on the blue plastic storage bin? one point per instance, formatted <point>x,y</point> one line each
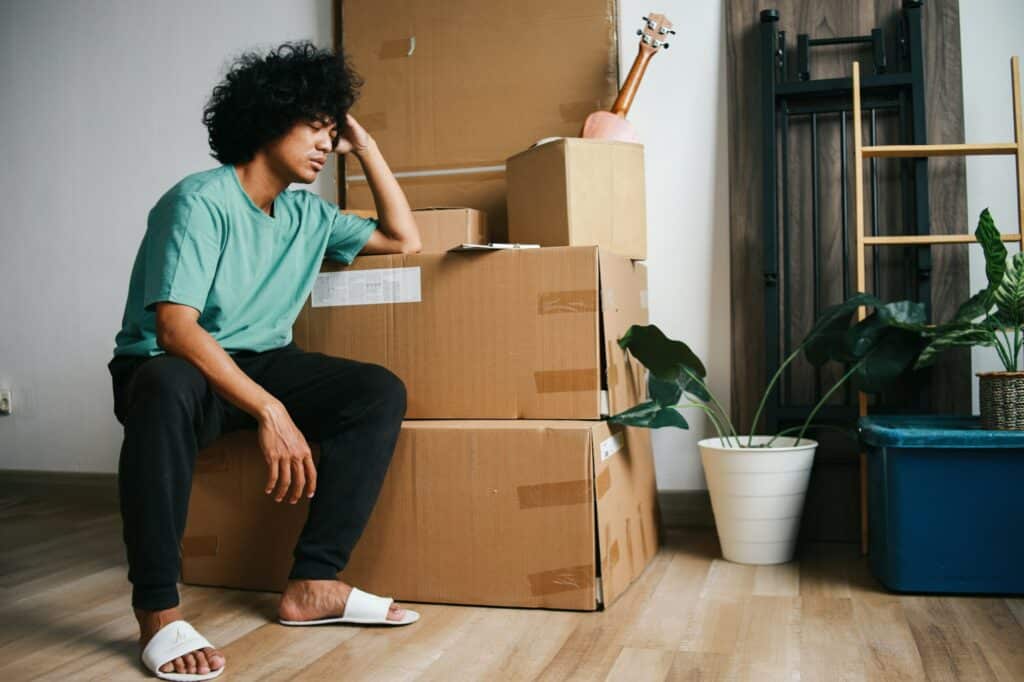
<point>945,504</point>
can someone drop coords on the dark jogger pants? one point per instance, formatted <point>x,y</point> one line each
<point>169,411</point>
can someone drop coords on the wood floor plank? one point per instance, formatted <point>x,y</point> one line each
<point>590,651</point>
<point>664,621</point>
<point>829,643</point>
<point>887,644</point>
<point>650,665</point>
<point>996,633</point>
<point>780,580</point>
<point>689,666</point>
<point>393,653</point>
<point>513,644</point>
<point>947,655</point>
<point>768,647</point>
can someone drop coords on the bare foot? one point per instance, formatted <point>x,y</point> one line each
<point>200,661</point>
<point>315,599</point>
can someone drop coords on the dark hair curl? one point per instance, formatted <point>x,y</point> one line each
<point>264,95</point>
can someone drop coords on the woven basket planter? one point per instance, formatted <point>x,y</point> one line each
<point>1002,400</point>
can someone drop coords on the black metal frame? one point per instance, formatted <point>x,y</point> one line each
<point>785,98</point>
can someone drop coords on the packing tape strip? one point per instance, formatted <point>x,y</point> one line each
<point>567,579</point>
<point>199,546</point>
<point>574,301</point>
<point>566,380</point>
<point>553,494</point>
<point>603,483</point>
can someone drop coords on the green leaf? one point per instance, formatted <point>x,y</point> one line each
<point>995,251</point>
<point>650,415</point>
<point>904,314</point>
<point>893,354</point>
<point>663,356</point>
<point>953,336</point>
<point>974,307</point>
<point>827,338</point>
<point>663,392</point>
<point>1009,295</point>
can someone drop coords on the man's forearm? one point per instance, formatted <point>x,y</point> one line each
<point>392,207</point>
<point>193,343</point>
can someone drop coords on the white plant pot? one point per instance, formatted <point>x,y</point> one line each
<point>757,495</point>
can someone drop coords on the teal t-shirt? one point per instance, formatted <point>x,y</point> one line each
<point>208,246</point>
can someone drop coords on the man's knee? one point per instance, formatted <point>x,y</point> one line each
<point>386,388</point>
<point>167,381</point>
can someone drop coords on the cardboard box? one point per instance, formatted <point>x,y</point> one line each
<point>577,192</point>
<point>462,85</point>
<point>442,228</point>
<point>483,191</point>
<point>501,513</point>
<point>518,334</point>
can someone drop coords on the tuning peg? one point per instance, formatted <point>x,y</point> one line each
<point>639,31</point>
<point>671,32</point>
<point>665,45</point>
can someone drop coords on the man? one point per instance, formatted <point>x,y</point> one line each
<point>227,261</point>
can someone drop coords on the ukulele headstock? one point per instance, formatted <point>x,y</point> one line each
<point>654,33</point>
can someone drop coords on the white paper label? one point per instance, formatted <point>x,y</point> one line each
<point>611,445</point>
<point>367,287</point>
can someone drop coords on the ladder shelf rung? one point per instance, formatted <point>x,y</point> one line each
<point>907,151</point>
<point>929,239</point>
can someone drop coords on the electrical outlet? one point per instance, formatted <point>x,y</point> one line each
<point>5,401</point>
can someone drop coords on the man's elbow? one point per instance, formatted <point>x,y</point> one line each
<point>412,246</point>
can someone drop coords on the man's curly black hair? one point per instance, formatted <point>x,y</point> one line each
<point>264,95</point>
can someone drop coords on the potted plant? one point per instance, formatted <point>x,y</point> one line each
<point>758,483</point>
<point>993,317</point>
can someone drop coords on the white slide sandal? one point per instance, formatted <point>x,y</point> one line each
<point>362,608</point>
<point>173,641</point>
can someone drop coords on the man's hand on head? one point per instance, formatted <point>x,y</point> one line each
<point>353,137</point>
<point>290,469</point>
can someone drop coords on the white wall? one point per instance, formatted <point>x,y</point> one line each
<point>680,114</point>
<point>101,105</point>
<point>991,32</point>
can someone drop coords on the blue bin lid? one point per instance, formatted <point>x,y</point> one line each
<point>934,431</point>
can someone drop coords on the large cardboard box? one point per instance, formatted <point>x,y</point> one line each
<point>454,88</point>
<point>577,192</point>
<point>555,514</point>
<point>518,334</point>
<point>443,228</point>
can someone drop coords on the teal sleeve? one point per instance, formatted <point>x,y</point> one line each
<point>349,234</point>
<point>182,252</point>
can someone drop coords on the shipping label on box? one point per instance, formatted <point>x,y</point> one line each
<point>519,334</point>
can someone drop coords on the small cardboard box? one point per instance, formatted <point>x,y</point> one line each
<point>517,334</point>
<point>577,192</point>
<point>552,514</point>
<point>444,228</point>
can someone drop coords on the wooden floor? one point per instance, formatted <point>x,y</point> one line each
<point>64,614</point>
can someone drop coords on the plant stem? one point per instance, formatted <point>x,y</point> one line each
<point>768,391</point>
<point>845,432</point>
<point>821,403</point>
<point>714,401</point>
<point>1003,351</point>
<point>723,436</point>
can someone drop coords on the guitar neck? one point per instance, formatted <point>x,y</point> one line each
<point>632,84</point>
